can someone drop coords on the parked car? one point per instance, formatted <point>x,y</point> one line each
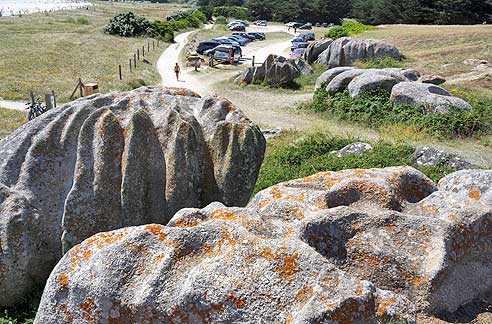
<point>237,27</point>
<point>238,39</point>
<point>221,52</point>
<point>226,41</point>
<point>244,35</point>
<point>296,41</point>
<point>306,27</point>
<point>307,37</point>
<point>238,22</point>
<point>259,36</point>
<point>261,23</point>
<point>318,24</point>
<point>293,24</point>
<point>297,53</point>
<point>206,45</point>
<point>298,45</point>
<point>325,25</point>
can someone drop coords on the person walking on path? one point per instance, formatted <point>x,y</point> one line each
<point>177,69</point>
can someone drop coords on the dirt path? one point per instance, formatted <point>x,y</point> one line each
<point>14,105</point>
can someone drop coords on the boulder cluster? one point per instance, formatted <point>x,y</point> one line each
<point>346,51</point>
<point>275,71</point>
<point>355,246</point>
<point>109,161</point>
<point>407,87</point>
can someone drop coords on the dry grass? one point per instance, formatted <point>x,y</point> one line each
<point>49,52</point>
<point>10,120</point>
<point>438,49</point>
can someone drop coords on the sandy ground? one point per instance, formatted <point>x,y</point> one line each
<point>14,105</point>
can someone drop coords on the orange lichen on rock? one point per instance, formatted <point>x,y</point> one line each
<point>157,230</point>
<point>475,194</point>
<point>63,280</point>
<point>88,309</point>
<point>237,301</point>
<point>304,294</point>
<point>418,281</point>
<point>289,266</point>
<point>225,215</point>
<point>66,311</point>
<point>187,222</point>
<point>382,306</point>
<point>276,193</point>
<point>326,177</point>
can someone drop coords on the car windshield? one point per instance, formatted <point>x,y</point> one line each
<point>299,51</point>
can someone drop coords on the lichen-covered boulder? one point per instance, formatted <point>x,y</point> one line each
<point>114,160</point>
<point>430,156</point>
<point>276,71</point>
<point>347,50</point>
<point>371,82</point>
<point>341,81</point>
<point>431,98</point>
<point>314,49</point>
<point>292,255</point>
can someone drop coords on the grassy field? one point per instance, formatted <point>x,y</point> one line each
<point>43,52</point>
<point>10,120</point>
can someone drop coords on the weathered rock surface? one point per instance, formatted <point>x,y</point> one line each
<point>357,148</point>
<point>300,252</point>
<point>327,76</point>
<point>314,49</point>
<point>432,79</point>
<point>347,50</point>
<point>341,81</point>
<point>110,161</point>
<point>276,70</point>
<point>432,98</point>
<point>431,156</point>
<point>371,82</point>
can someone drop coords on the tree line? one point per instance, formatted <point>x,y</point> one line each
<point>372,12</point>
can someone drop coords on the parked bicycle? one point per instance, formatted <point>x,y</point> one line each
<point>36,109</point>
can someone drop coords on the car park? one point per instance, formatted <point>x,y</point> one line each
<point>222,52</point>
<point>306,26</point>
<point>325,25</point>
<point>237,27</point>
<point>299,45</point>
<point>244,35</point>
<point>206,45</point>
<point>307,37</point>
<point>225,40</point>
<point>238,39</point>
<point>297,53</point>
<point>259,36</point>
<point>318,24</point>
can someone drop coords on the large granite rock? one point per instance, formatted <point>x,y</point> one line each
<point>326,77</point>
<point>275,71</point>
<point>371,82</point>
<point>300,252</point>
<point>431,98</point>
<point>314,49</point>
<point>347,50</point>
<point>115,160</point>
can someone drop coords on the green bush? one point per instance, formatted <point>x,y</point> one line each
<point>376,110</point>
<point>314,153</point>
<point>380,63</point>
<point>349,27</point>
<point>128,25</point>
<point>83,21</point>
<point>164,30</point>
<point>221,20</point>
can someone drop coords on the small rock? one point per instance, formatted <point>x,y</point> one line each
<point>357,148</point>
<point>432,79</point>
<point>271,133</point>
<point>474,62</point>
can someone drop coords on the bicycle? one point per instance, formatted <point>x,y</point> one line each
<point>36,109</point>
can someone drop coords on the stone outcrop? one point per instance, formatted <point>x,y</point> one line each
<point>431,156</point>
<point>431,98</point>
<point>115,160</point>
<point>347,50</point>
<point>432,79</point>
<point>304,251</point>
<point>327,76</point>
<point>275,71</point>
<point>357,148</point>
<point>370,82</point>
<point>314,49</point>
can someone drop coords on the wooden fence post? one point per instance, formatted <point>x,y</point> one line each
<point>134,60</point>
<point>130,65</point>
<point>153,45</point>
<point>143,51</point>
<point>253,62</point>
<point>148,47</point>
<point>138,54</point>
<point>80,88</point>
<point>54,97</point>
<point>32,98</point>
<point>119,71</point>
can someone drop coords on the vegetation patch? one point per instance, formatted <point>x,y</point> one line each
<point>23,313</point>
<point>10,120</point>
<point>349,27</point>
<point>128,25</point>
<point>296,155</point>
<point>376,110</point>
<point>380,63</point>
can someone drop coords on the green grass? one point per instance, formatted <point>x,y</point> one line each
<point>380,63</point>
<point>23,313</point>
<point>10,120</point>
<point>295,155</point>
<point>376,111</point>
<point>43,52</point>
<point>349,27</point>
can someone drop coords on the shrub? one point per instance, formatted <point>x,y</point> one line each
<point>314,153</point>
<point>232,12</point>
<point>220,20</point>
<point>83,21</point>
<point>376,110</point>
<point>128,25</point>
<point>380,63</point>
<point>349,27</point>
<point>164,30</point>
